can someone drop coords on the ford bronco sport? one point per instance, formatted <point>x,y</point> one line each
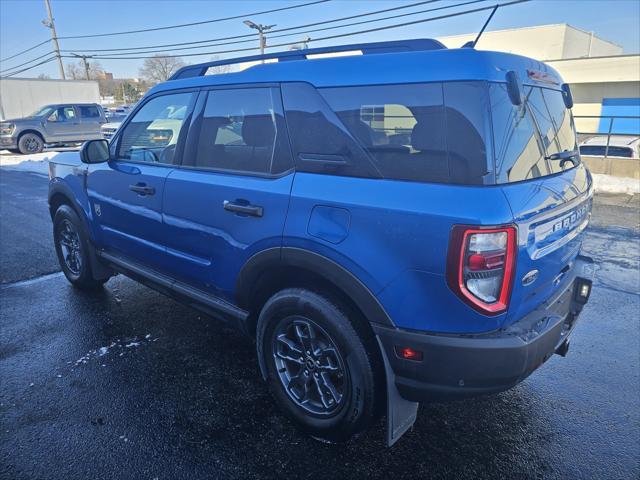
<point>391,227</point>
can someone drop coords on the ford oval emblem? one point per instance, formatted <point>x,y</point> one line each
<point>530,277</point>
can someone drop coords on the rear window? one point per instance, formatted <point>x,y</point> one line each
<point>420,132</point>
<point>600,150</point>
<point>524,135</point>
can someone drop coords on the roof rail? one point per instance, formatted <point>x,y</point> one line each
<point>421,44</point>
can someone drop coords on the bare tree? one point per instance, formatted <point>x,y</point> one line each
<point>158,68</point>
<point>75,71</point>
<point>219,68</point>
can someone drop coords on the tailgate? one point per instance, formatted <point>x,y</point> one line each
<point>551,214</point>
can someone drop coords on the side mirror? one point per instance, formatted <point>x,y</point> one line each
<point>94,151</point>
<point>514,87</point>
<point>566,95</point>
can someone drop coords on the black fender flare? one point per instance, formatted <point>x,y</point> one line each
<point>333,272</point>
<point>99,270</point>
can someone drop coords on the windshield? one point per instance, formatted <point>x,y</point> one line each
<point>526,135</point>
<point>43,112</point>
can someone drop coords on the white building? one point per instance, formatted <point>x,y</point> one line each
<point>20,97</point>
<point>604,81</point>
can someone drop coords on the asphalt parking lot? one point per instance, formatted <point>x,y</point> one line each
<point>125,383</point>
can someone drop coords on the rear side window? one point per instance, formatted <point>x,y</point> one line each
<point>400,126</point>
<point>320,141</point>
<point>89,111</point>
<point>238,131</point>
<point>421,132</point>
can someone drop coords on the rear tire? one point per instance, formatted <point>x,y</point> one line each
<point>30,143</point>
<point>318,368</point>
<point>72,249</point>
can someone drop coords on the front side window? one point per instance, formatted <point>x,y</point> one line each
<point>237,132</point>
<point>62,114</point>
<point>152,134</point>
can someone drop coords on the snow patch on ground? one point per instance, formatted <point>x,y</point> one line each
<point>611,184</point>
<point>119,345</point>
<point>36,163</point>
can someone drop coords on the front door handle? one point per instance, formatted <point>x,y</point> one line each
<point>142,189</point>
<point>244,209</point>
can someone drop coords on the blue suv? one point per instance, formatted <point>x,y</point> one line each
<point>392,222</point>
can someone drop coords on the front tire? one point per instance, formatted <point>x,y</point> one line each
<point>30,143</point>
<point>318,368</point>
<point>72,249</point>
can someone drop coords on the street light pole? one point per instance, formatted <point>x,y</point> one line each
<point>54,37</point>
<point>261,29</point>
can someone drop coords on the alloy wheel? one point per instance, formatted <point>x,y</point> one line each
<point>310,366</point>
<point>69,240</point>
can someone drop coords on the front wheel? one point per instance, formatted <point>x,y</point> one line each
<point>318,368</point>
<point>72,249</point>
<point>30,143</point>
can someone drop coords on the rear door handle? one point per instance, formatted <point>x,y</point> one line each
<point>142,189</point>
<point>248,209</point>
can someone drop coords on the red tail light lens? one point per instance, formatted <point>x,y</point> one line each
<point>480,266</point>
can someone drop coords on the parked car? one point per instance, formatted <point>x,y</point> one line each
<point>627,146</point>
<point>113,122</point>
<point>52,125</point>
<point>375,268</point>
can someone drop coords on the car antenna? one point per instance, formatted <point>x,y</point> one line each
<point>473,44</point>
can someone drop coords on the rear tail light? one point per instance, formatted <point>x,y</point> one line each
<point>480,266</point>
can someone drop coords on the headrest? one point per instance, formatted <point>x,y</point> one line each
<point>426,136</point>
<point>258,131</point>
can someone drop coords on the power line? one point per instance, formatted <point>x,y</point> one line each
<point>386,10</point>
<point>203,22</point>
<point>27,63</point>
<point>33,66</point>
<point>309,31</point>
<point>25,51</point>
<point>331,37</point>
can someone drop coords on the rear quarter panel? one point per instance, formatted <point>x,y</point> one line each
<point>395,241</point>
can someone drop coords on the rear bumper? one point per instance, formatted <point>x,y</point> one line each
<point>458,366</point>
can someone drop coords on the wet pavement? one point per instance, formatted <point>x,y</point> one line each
<point>126,383</point>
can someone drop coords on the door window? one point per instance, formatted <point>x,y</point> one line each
<point>62,114</point>
<point>89,111</point>
<point>152,134</point>
<point>238,131</point>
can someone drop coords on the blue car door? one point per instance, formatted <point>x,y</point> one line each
<point>229,198</point>
<point>126,193</point>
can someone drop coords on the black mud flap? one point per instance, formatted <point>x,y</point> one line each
<point>401,413</point>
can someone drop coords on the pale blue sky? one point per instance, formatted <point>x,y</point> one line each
<point>20,27</point>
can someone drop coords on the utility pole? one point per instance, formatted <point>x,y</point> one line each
<point>86,64</point>
<point>261,29</point>
<point>54,37</point>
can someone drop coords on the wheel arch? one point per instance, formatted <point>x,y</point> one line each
<point>60,194</point>
<point>275,268</point>
<point>31,130</point>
